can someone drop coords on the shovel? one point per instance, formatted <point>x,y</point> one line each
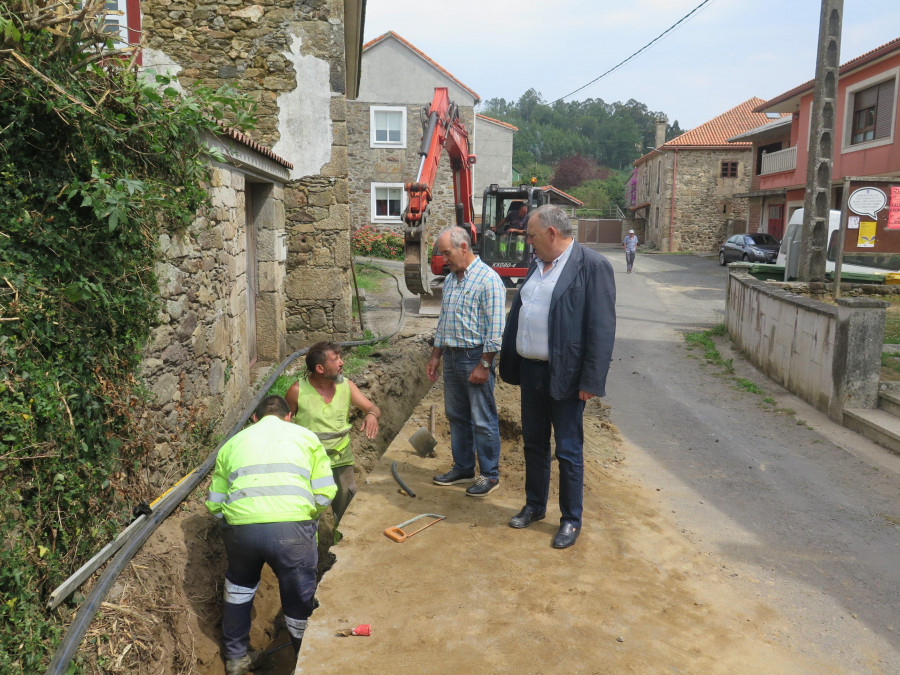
<point>423,440</point>
<point>397,534</point>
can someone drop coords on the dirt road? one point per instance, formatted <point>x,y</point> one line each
<point>688,562</point>
<point>651,585</point>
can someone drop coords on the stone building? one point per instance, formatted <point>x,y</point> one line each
<point>384,125</point>
<point>267,270</point>
<point>684,194</point>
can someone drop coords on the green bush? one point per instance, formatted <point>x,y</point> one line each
<point>94,166</point>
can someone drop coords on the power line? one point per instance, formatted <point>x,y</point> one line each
<point>646,46</point>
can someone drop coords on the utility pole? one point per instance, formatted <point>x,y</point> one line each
<point>817,201</point>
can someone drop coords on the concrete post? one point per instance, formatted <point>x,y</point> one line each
<point>858,352</point>
<point>821,144</point>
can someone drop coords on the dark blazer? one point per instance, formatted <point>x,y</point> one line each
<point>582,327</point>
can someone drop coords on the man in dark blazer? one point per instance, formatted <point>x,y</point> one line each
<point>557,346</point>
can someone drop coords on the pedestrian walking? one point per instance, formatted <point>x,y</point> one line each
<point>557,347</point>
<point>467,338</point>
<point>630,244</point>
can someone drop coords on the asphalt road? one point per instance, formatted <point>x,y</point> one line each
<point>803,512</point>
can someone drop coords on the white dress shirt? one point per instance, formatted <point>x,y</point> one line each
<point>533,335</point>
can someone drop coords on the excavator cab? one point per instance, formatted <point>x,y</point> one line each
<point>501,234</point>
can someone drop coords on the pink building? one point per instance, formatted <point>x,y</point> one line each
<point>866,142</point>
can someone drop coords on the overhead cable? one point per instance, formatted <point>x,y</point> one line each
<point>646,46</point>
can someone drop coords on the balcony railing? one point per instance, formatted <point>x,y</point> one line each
<point>782,160</point>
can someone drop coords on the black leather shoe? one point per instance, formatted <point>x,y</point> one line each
<point>525,517</point>
<point>565,536</point>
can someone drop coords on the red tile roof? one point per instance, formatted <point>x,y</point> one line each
<point>421,54</point>
<point>491,119</point>
<point>550,188</point>
<point>716,132</point>
<point>245,140</point>
<point>852,64</point>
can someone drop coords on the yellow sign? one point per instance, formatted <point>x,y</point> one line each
<point>866,234</point>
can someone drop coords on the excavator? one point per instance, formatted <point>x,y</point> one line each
<point>508,254</point>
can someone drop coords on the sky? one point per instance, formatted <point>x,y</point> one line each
<point>727,52</point>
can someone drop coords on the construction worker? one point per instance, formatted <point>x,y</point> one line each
<point>270,483</point>
<point>321,401</point>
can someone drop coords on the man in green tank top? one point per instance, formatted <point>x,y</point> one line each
<point>321,401</point>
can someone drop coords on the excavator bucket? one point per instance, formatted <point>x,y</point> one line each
<point>430,304</point>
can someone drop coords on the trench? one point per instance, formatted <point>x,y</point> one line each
<point>395,379</point>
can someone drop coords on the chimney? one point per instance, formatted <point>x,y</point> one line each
<point>660,132</point>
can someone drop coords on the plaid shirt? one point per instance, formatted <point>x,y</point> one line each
<point>472,309</point>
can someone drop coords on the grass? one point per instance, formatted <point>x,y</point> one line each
<point>892,321</point>
<point>890,367</point>
<point>369,279</point>
<point>752,387</point>
<point>705,342</point>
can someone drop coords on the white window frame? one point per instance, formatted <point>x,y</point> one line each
<point>374,211</point>
<point>849,94</point>
<point>372,128</point>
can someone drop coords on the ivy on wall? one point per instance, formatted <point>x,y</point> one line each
<point>95,163</point>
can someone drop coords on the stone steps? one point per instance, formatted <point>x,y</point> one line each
<point>881,424</point>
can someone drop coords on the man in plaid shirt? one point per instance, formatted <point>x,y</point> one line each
<point>468,336</point>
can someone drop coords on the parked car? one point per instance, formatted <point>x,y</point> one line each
<point>758,247</point>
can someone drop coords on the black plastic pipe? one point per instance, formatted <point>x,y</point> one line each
<point>85,616</point>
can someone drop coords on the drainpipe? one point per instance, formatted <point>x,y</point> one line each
<point>672,206</point>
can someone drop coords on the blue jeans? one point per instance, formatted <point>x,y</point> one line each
<point>472,414</point>
<point>540,412</point>
<point>629,259</point>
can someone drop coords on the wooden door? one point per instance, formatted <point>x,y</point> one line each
<point>776,221</point>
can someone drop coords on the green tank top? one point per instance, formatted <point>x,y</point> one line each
<point>328,421</point>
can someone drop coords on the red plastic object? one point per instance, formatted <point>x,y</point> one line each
<point>363,629</point>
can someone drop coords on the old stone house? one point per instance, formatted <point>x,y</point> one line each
<point>384,126</point>
<point>866,142</point>
<point>267,270</point>
<point>684,193</point>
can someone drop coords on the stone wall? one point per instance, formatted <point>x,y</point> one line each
<point>395,165</point>
<point>197,364</point>
<point>288,56</point>
<point>705,205</point>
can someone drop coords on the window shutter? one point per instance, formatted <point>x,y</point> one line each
<point>866,98</point>
<point>884,113</point>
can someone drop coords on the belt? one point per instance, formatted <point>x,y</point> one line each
<point>462,349</point>
<point>543,361</point>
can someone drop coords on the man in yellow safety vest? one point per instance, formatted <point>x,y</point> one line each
<point>269,486</point>
<point>321,401</point>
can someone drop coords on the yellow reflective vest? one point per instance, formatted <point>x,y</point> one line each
<point>271,472</point>
<point>328,421</point>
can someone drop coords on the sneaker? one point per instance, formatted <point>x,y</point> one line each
<point>483,486</point>
<point>239,666</point>
<point>454,476</point>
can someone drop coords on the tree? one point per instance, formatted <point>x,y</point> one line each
<point>573,171</point>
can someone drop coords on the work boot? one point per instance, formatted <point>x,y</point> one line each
<point>239,666</point>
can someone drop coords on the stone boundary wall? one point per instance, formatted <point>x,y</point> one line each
<point>196,364</point>
<point>828,355</point>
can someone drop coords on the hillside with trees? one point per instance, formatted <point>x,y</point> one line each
<point>583,147</point>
